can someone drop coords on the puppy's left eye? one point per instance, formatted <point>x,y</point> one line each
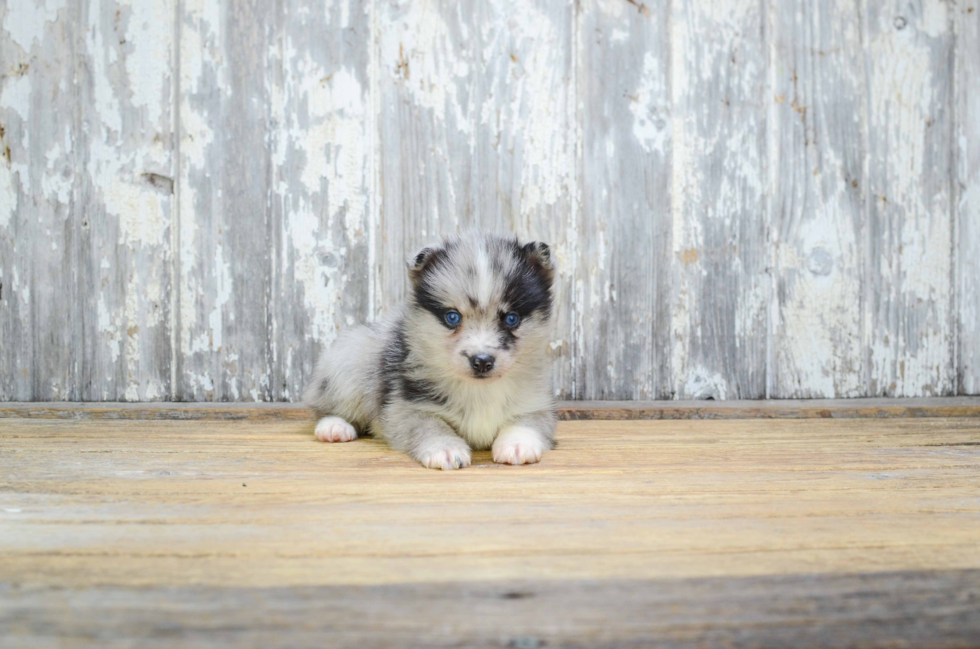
<point>512,319</point>
<point>452,317</point>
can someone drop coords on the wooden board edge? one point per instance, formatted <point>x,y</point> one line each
<point>567,410</point>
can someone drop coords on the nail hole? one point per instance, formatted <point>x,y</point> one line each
<point>515,594</point>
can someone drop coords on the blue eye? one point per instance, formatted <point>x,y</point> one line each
<point>452,318</point>
<point>512,319</point>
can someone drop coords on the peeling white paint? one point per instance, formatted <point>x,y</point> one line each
<point>910,355</point>
<point>16,96</point>
<point>55,183</point>
<point>489,121</point>
<point>106,103</point>
<point>109,329</point>
<point>149,62</point>
<point>935,18</point>
<point>223,286</point>
<point>547,169</point>
<point>701,383</point>
<point>323,148</point>
<point>648,103</point>
<point>717,189</point>
<point>128,162</point>
<point>27,20</point>
<point>8,196</point>
<point>200,54</point>
<point>420,55</point>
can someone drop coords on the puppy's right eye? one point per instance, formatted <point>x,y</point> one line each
<point>452,318</point>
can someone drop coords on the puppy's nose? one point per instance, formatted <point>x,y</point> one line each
<point>481,363</point>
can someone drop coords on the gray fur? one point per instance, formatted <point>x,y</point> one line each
<point>409,379</point>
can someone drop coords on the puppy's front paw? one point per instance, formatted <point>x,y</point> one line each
<point>334,429</point>
<point>445,455</point>
<point>519,445</point>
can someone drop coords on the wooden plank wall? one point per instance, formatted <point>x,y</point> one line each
<point>746,199</point>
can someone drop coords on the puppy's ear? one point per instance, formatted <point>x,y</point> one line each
<point>538,254</point>
<point>425,259</point>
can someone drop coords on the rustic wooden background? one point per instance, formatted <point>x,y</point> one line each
<point>747,198</point>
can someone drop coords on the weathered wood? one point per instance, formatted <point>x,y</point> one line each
<point>567,410</point>
<point>819,133</point>
<point>908,293</point>
<point>323,166</point>
<point>911,608</point>
<point>720,99</point>
<point>226,229</point>
<point>123,204</point>
<point>770,409</point>
<point>39,128</point>
<point>477,129</point>
<point>195,196</point>
<point>967,194</point>
<point>706,530</point>
<point>167,506</point>
<point>623,276</point>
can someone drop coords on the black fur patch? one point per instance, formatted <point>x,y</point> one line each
<point>528,284</point>
<point>426,299</point>
<point>392,359</point>
<point>507,337</point>
<point>395,372</point>
<point>419,390</point>
<point>324,386</point>
<point>422,286</point>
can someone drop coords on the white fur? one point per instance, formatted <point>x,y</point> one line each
<point>334,429</point>
<point>519,445</point>
<point>445,454</point>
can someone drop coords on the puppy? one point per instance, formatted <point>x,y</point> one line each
<point>461,366</point>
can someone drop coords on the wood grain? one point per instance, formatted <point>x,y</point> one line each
<point>99,504</point>
<point>745,199</point>
<point>123,203</point>
<point>225,183</point>
<point>322,128</point>
<point>209,532</point>
<point>818,213</point>
<point>624,273</point>
<point>719,88</point>
<point>567,410</point>
<point>908,295</point>
<point>910,608</point>
<point>39,224</point>
<point>967,186</point>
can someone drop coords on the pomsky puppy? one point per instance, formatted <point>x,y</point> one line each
<point>461,366</point>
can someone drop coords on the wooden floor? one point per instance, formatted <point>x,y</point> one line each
<point>824,532</point>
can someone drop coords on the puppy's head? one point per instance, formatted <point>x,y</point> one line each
<point>481,304</point>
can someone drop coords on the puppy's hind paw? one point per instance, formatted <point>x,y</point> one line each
<point>334,429</point>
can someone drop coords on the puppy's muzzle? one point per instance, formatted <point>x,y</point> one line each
<point>482,364</point>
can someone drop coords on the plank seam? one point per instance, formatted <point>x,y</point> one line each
<point>767,197</point>
<point>958,407</point>
<point>865,221</point>
<point>80,182</point>
<point>176,134</point>
<point>577,329</point>
<point>954,264</point>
